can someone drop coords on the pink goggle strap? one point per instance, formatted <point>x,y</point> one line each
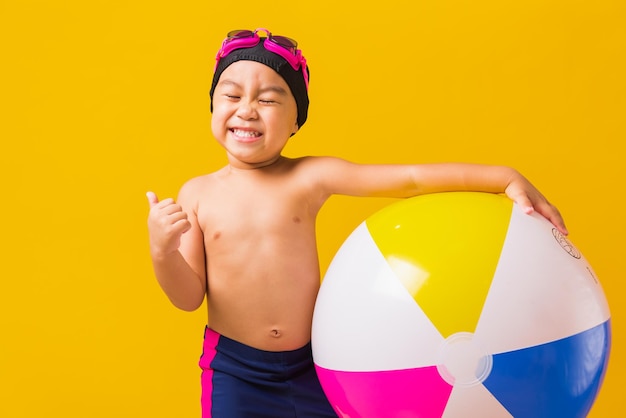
<point>296,61</point>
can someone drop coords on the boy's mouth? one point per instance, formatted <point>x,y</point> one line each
<point>245,135</point>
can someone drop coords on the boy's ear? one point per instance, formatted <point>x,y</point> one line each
<point>295,128</point>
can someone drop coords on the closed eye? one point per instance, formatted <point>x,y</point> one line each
<point>232,96</point>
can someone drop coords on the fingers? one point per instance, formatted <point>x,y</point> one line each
<point>524,202</point>
<point>175,214</point>
<point>152,199</point>
<point>526,205</point>
<point>560,224</point>
<point>184,225</point>
<point>547,210</point>
<point>167,212</point>
<point>553,215</point>
<point>176,227</point>
<point>167,222</point>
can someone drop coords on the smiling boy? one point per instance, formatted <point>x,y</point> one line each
<point>244,236</point>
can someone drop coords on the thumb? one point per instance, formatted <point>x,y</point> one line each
<point>152,198</point>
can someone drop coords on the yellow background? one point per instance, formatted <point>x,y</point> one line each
<point>104,100</point>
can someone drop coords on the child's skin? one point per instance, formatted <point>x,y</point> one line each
<point>248,230</point>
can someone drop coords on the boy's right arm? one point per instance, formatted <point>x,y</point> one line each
<point>182,277</point>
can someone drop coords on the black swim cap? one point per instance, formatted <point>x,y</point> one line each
<point>258,53</point>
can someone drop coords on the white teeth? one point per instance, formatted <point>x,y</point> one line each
<point>242,133</point>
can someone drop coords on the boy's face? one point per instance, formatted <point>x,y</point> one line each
<point>254,114</point>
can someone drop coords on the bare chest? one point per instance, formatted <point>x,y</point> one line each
<point>241,210</point>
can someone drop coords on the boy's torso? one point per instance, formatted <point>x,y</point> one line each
<point>262,265</point>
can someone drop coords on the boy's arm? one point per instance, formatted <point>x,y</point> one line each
<point>399,180</point>
<point>177,250</point>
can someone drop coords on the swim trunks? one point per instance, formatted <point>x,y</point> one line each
<point>239,381</point>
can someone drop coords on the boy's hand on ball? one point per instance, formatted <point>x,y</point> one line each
<point>167,222</point>
<point>522,192</point>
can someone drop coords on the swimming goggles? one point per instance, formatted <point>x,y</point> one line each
<point>280,45</point>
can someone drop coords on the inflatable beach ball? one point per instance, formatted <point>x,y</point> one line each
<point>460,305</point>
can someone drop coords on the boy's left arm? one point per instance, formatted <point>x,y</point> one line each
<point>399,180</point>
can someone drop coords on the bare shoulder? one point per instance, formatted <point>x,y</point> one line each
<point>327,170</point>
<point>320,171</point>
<point>339,176</point>
<point>320,164</point>
<point>193,188</point>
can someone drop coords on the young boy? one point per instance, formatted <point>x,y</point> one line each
<point>244,236</point>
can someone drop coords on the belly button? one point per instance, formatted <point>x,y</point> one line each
<point>275,333</point>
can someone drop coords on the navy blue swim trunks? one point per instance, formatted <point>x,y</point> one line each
<point>239,381</point>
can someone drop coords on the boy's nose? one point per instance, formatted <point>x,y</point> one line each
<point>246,110</point>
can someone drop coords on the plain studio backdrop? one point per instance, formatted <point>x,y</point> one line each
<point>104,100</point>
